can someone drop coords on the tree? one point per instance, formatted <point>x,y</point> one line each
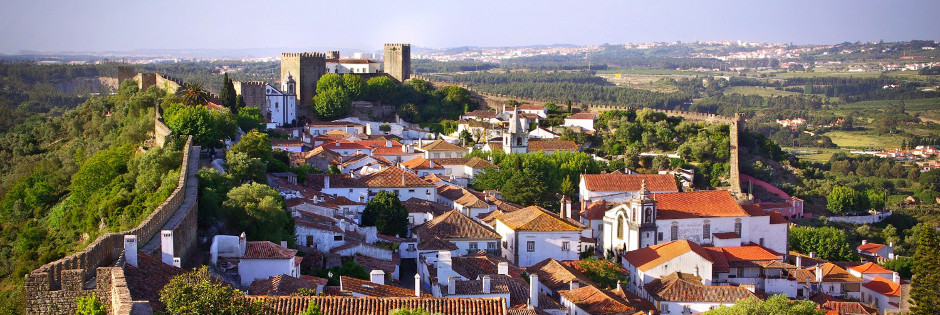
<point>198,293</point>
<point>194,94</point>
<point>239,104</point>
<point>332,103</point>
<point>842,199</point>
<point>312,309</point>
<point>777,304</point>
<point>827,242</point>
<point>387,214</point>
<point>354,85</point>
<point>258,210</point>
<point>254,144</point>
<point>330,81</point>
<point>930,180</point>
<point>382,89</point>
<point>567,187</point>
<point>903,265</point>
<point>407,311</point>
<point>244,168</point>
<point>208,127</point>
<point>227,94</point>
<point>602,272</point>
<point>925,284</point>
<point>876,199</point>
<point>90,305</point>
<point>249,118</point>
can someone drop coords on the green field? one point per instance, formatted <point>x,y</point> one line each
<point>758,90</point>
<point>657,72</point>
<point>813,154</point>
<point>823,72</point>
<point>864,140</point>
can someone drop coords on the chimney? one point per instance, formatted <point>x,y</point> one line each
<point>388,143</point>
<point>177,262</point>
<point>326,181</point>
<point>444,268</point>
<point>130,250</point>
<point>242,244</point>
<point>451,285</point>
<point>402,179</point>
<point>486,284</point>
<point>896,277</point>
<point>377,276</point>
<point>166,246</point>
<point>573,284</point>
<point>864,242</point>
<point>799,261</point>
<point>619,288</point>
<point>417,285</point>
<point>502,268</point>
<point>812,254</point>
<point>819,274</point>
<point>284,244</point>
<point>431,163</point>
<point>533,291</point>
<point>891,244</point>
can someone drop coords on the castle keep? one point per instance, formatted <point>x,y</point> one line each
<point>397,61</point>
<point>306,68</point>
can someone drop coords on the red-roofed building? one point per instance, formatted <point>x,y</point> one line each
<point>883,293</point>
<point>253,260</point>
<point>875,252</point>
<point>650,263</point>
<point>869,271</point>
<point>583,120</point>
<point>345,148</point>
<point>619,187</point>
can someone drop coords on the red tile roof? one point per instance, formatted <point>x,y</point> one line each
<point>394,177</point>
<point>682,288</point>
<point>415,205</point>
<point>552,145</point>
<point>441,145</point>
<point>149,277</point>
<point>267,250</point>
<point>556,275</point>
<point>840,306</point>
<point>463,196</point>
<point>596,210</point>
<point>534,218</point>
<point>343,145</point>
<point>582,115</point>
<point>532,107</point>
<point>777,218</point>
<point>699,204</point>
<point>884,287</point>
<point>596,301</point>
<point>346,305</point>
<point>628,182</point>
<point>833,273</point>
<point>648,257</point>
<point>369,288</point>
<point>481,114</point>
<point>726,235</point>
<point>284,285</point>
<point>420,163</point>
<point>481,263</point>
<point>750,252</point>
<point>454,225</point>
<point>870,267</point>
<point>870,248</point>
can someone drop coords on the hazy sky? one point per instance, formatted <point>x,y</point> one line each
<point>93,25</point>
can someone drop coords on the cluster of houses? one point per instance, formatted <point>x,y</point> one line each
<point>923,155</point>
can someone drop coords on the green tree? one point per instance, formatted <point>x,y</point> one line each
<point>259,210</point>
<point>312,309</point>
<point>354,85</point>
<point>382,89</point>
<point>876,199</point>
<point>524,188</point>
<point>239,104</point>
<point>930,180</point>
<point>407,311</point>
<point>409,112</point>
<point>330,81</point>
<point>249,118</point>
<point>925,284</point>
<point>827,242</point>
<point>842,199</point>
<point>194,94</point>
<point>90,305</point>
<point>775,305</point>
<point>227,94</point>
<point>208,127</point>
<point>348,268</point>
<point>903,265</point>
<point>198,293</point>
<point>567,187</point>
<point>387,214</point>
<point>602,272</point>
<point>254,144</point>
<point>244,168</point>
<point>331,104</point>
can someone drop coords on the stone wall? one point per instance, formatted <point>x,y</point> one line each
<point>146,80</point>
<point>160,130</point>
<point>306,68</point>
<point>397,61</point>
<point>253,92</point>
<point>52,288</point>
<point>497,100</point>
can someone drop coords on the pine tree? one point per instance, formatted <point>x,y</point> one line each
<point>239,103</point>
<point>228,92</point>
<point>925,284</point>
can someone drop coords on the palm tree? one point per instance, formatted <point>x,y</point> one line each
<point>194,94</point>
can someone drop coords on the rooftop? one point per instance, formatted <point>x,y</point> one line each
<point>556,275</point>
<point>582,115</point>
<point>267,250</point>
<point>648,257</point>
<point>884,286</point>
<point>369,288</point>
<point>698,204</point>
<point>346,305</point>
<point>870,267</point>
<point>597,301</point>
<point>284,285</point>
<point>441,145</point>
<point>681,288</point>
<point>534,218</point>
<point>552,145</point>
<point>617,181</point>
<point>870,248</point>
<point>415,205</point>
<point>394,177</point>
<point>420,163</point>
<point>454,225</point>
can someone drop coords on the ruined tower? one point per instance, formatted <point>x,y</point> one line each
<point>305,68</point>
<point>397,61</point>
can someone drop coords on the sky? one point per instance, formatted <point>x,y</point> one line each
<point>95,26</point>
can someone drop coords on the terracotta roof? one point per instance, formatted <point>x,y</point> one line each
<point>556,275</point>
<point>284,285</point>
<point>883,286</point>
<point>344,145</point>
<point>636,301</point>
<point>475,287</point>
<point>629,182</point>
<point>531,107</point>
<point>478,163</point>
<point>286,143</point>
<point>394,177</point>
<point>582,115</point>
<point>552,145</point>
<point>648,257</point>
<point>870,248</point>
<point>395,150</point>
<point>369,288</point>
<point>749,252</point>
<point>462,196</point>
<point>149,277</point>
<point>675,287</point>
<point>333,123</point>
<point>441,145</point>
<point>347,305</point>
<point>452,161</point>
<point>481,263</point>
<point>534,218</point>
<point>434,179</point>
<point>316,181</point>
<point>596,210</point>
<point>840,306</point>
<point>699,204</point>
<point>777,218</point>
<point>870,267</point>
<point>436,243</point>
<point>833,273</point>
<point>754,210</point>
<point>495,146</point>
<point>415,205</point>
<point>596,301</point>
<point>726,235</point>
<point>420,163</point>
<point>267,250</point>
<point>454,225</point>
<point>480,113</point>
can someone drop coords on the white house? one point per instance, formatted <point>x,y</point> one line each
<point>869,271</point>
<point>322,127</point>
<point>442,149</point>
<point>469,202</point>
<point>532,234</point>
<point>402,183</point>
<point>254,260</point>
<point>280,106</point>
<point>358,66</point>
<point>420,210</point>
<point>463,170</point>
<point>657,261</point>
<point>338,185</point>
<point>467,234</point>
<point>287,145</point>
<point>347,149</point>
<point>876,252</point>
<point>422,167</point>
<point>584,120</point>
<point>680,293</point>
<point>542,133</point>
<point>537,109</point>
<point>883,293</point>
<point>618,187</point>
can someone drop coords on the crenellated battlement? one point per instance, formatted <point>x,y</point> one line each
<point>304,55</point>
<point>397,45</point>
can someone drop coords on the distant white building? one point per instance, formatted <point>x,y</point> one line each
<point>583,120</point>
<point>359,66</point>
<point>254,260</point>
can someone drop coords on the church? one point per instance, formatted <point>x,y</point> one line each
<point>278,107</point>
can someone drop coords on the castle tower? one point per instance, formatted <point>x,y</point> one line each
<point>645,209</point>
<point>306,69</point>
<point>332,54</point>
<point>516,139</point>
<point>397,61</point>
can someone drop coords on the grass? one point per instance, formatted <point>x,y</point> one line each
<point>864,140</point>
<point>759,90</point>
<point>813,154</point>
<point>656,72</point>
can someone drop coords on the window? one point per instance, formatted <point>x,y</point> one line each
<point>411,191</point>
<point>411,247</point>
<point>740,272</point>
<point>309,240</point>
<point>337,237</point>
<point>505,244</point>
<point>737,226</point>
<point>659,236</point>
<point>473,246</point>
<point>619,227</point>
<point>649,215</point>
<point>707,229</point>
<point>565,246</point>
<point>530,246</point>
<point>665,308</point>
<point>761,241</point>
<point>674,234</point>
<point>491,245</point>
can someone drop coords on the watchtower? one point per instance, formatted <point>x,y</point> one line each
<point>306,69</point>
<point>397,61</point>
